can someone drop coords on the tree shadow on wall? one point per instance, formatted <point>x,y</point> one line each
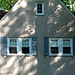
<point>24,23</point>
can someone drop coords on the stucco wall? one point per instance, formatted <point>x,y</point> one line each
<point>22,21</point>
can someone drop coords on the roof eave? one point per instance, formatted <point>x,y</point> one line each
<point>66,9</point>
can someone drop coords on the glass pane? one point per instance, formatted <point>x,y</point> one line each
<point>12,42</point>
<point>66,42</point>
<point>54,42</point>
<point>25,42</point>
<point>40,11</point>
<point>25,50</point>
<point>66,50</point>
<point>13,50</point>
<point>38,8</point>
<point>54,50</point>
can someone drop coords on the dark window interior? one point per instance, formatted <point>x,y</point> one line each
<point>66,50</point>
<point>54,50</point>
<point>25,50</point>
<point>39,8</point>
<point>13,50</point>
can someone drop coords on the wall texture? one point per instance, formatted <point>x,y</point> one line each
<point>22,21</point>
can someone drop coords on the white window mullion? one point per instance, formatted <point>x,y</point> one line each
<point>42,8</point>
<point>19,46</point>
<point>8,47</point>
<point>71,45</point>
<point>30,46</point>
<point>36,9</point>
<point>60,46</point>
<point>49,46</point>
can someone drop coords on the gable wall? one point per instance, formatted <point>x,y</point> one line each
<point>22,21</point>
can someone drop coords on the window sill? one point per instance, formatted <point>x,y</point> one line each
<point>61,55</point>
<point>20,54</point>
<point>39,15</point>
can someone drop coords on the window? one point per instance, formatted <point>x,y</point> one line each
<point>25,45</point>
<point>13,46</point>
<point>66,46</point>
<point>39,8</point>
<point>19,46</point>
<point>54,46</point>
<point>60,46</point>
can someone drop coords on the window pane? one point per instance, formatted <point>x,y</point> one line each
<point>12,42</point>
<point>54,50</point>
<point>39,8</point>
<point>40,5</point>
<point>40,11</point>
<point>13,50</point>
<point>54,42</point>
<point>66,50</point>
<point>25,50</point>
<point>25,42</point>
<point>66,42</point>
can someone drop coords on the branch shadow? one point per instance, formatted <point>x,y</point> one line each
<point>24,23</point>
